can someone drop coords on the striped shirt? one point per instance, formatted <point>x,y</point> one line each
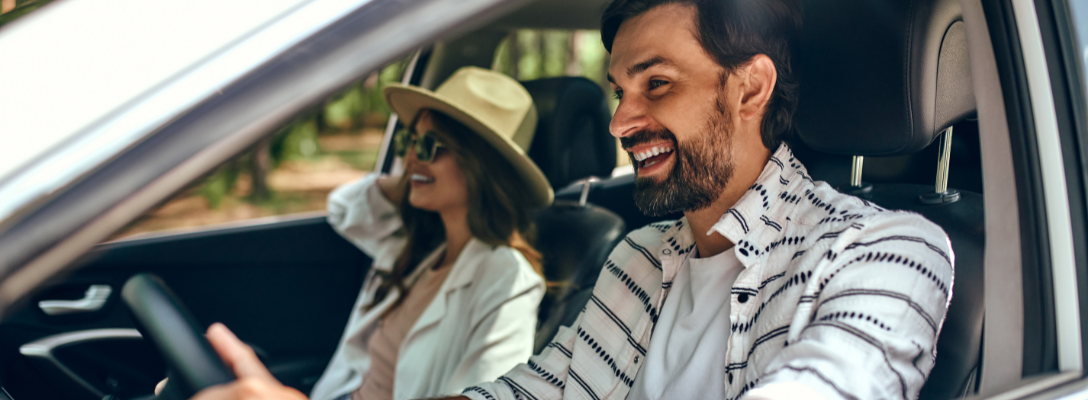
<point>837,294</point>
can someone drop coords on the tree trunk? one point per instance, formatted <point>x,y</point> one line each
<point>574,66</point>
<point>260,164</point>
<point>515,56</point>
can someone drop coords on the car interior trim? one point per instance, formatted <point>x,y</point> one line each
<point>224,226</point>
<point>222,127</point>
<point>1057,21</point>
<point>1063,262</point>
<point>1077,390</point>
<point>1003,333</point>
<point>45,346</point>
<point>93,300</point>
<point>1036,386</point>
<point>42,350</point>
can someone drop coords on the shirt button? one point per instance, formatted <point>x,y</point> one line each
<point>636,359</point>
<point>730,375</point>
<point>743,297</point>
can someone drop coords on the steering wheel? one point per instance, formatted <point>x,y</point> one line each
<point>162,319</point>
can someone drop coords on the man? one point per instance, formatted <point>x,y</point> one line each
<point>772,286</point>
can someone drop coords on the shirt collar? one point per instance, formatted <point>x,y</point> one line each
<point>758,218</point>
<point>755,223</point>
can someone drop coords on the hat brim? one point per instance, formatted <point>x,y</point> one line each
<point>408,101</point>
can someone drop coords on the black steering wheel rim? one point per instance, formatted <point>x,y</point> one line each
<point>163,319</point>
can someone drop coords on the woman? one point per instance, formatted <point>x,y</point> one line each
<point>451,299</point>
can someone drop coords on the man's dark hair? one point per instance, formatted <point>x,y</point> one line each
<point>732,32</point>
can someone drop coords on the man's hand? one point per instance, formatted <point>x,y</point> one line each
<point>254,381</point>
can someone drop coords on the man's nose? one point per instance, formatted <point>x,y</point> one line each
<point>630,117</point>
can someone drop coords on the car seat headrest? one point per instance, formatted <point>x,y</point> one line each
<point>572,140</point>
<point>881,77</point>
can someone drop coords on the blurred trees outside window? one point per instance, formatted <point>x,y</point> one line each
<point>293,170</point>
<point>532,54</point>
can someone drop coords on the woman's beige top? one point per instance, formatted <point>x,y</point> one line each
<point>385,342</point>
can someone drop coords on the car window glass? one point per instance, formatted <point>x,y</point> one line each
<point>528,54</point>
<point>1079,17</point>
<point>291,171</point>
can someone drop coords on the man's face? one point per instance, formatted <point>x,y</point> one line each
<point>673,119</point>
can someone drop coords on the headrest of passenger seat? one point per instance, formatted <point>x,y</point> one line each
<point>572,140</point>
<point>881,77</point>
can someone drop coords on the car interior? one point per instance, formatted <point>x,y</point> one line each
<point>887,113</point>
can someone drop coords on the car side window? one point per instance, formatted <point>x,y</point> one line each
<point>291,171</point>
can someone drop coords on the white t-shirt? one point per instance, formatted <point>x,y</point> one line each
<point>686,358</point>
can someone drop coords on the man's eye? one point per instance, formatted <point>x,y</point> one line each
<point>617,94</point>
<point>655,83</point>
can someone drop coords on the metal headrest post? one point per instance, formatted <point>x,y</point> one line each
<point>855,171</point>
<point>857,187</point>
<point>942,194</point>
<point>587,183</point>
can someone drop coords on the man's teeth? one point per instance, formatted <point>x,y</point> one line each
<point>656,150</point>
<point>421,178</point>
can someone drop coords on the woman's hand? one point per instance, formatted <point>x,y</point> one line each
<point>389,185</point>
<point>253,379</point>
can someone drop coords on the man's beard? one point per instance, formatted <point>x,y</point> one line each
<point>703,166</point>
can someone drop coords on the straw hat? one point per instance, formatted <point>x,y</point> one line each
<point>489,103</point>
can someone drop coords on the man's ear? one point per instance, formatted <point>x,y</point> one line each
<point>758,78</point>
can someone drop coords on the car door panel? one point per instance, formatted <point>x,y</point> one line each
<point>284,287</point>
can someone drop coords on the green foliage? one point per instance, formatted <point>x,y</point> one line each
<point>346,111</point>
<point>360,104</point>
<point>533,54</point>
<point>297,141</point>
<point>219,184</point>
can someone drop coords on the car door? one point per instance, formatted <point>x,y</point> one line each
<point>286,287</point>
<point>285,282</point>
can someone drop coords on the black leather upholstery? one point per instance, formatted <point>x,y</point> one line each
<point>572,140</point>
<point>881,78</point>
<point>575,241</point>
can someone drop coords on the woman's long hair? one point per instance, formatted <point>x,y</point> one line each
<point>497,214</point>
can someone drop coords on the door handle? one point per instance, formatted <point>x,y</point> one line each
<point>92,301</point>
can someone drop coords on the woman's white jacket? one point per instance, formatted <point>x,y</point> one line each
<point>478,327</point>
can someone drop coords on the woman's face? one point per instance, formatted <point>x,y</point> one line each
<point>439,185</point>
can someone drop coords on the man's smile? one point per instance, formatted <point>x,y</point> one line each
<point>651,157</point>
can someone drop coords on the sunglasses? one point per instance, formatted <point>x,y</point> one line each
<point>426,145</point>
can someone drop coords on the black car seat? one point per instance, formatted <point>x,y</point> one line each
<point>572,140</point>
<point>575,239</point>
<point>887,78</point>
<point>571,143</point>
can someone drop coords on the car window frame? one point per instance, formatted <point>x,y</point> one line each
<point>1039,110</point>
